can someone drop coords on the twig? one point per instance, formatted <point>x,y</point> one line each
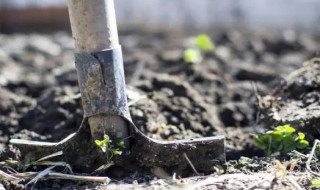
<point>42,161</point>
<point>294,183</point>
<point>49,174</point>
<point>97,179</point>
<point>49,163</point>
<point>102,168</point>
<point>192,166</point>
<point>258,100</point>
<point>59,153</point>
<point>299,154</point>
<point>255,90</point>
<point>57,175</point>
<point>293,164</point>
<point>5,176</point>
<point>9,162</point>
<point>310,158</point>
<point>40,175</point>
<point>10,170</point>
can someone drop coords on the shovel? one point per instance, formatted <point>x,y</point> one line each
<point>101,80</point>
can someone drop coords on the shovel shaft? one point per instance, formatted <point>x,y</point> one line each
<point>94,28</point>
<point>93,24</point>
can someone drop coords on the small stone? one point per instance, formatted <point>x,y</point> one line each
<point>139,113</point>
<point>167,132</point>
<point>174,120</point>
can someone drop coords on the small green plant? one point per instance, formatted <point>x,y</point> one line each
<point>282,139</point>
<point>107,146</point>
<point>315,182</point>
<point>203,43</point>
<point>198,46</point>
<point>192,56</point>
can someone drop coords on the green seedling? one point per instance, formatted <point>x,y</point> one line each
<point>203,43</point>
<point>282,139</point>
<point>192,56</point>
<point>107,146</point>
<point>197,48</point>
<point>315,182</point>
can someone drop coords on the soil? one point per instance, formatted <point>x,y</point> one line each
<point>169,99</point>
<point>296,102</point>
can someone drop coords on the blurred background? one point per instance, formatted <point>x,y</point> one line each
<point>51,15</point>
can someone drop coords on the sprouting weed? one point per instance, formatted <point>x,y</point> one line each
<point>107,146</point>
<point>192,56</point>
<point>199,45</point>
<point>204,43</point>
<point>282,139</point>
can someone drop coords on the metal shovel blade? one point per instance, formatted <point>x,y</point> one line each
<point>81,153</point>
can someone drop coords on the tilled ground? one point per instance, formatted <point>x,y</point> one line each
<point>169,99</point>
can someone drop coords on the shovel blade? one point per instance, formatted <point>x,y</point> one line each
<point>178,156</point>
<point>80,151</point>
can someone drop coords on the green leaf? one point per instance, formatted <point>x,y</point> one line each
<point>288,140</point>
<point>285,129</point>
<point>192,56</point>
<point>315,182</point>
<point>103,143</point>
<point>204,43</point>
<point>265,138</point>
<point>116,152</point>
<point>277,146</point>
<point>276,135</point>
<point>121,144</point>
<point>283,139</point>
<point>302,144</point>
<point>301,135</point>
<point>106,140</point>
<point>259,142</point>
<point>267,152</point>
<point>289,148</point>
<point>98,143</point>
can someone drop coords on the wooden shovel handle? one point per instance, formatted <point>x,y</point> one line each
<point>93,24</point>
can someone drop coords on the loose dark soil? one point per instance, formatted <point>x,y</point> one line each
<point>169,99</point>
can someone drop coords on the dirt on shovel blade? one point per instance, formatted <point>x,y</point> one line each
<point>171,100</point>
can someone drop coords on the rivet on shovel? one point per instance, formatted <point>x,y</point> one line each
<point>101,79</point>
